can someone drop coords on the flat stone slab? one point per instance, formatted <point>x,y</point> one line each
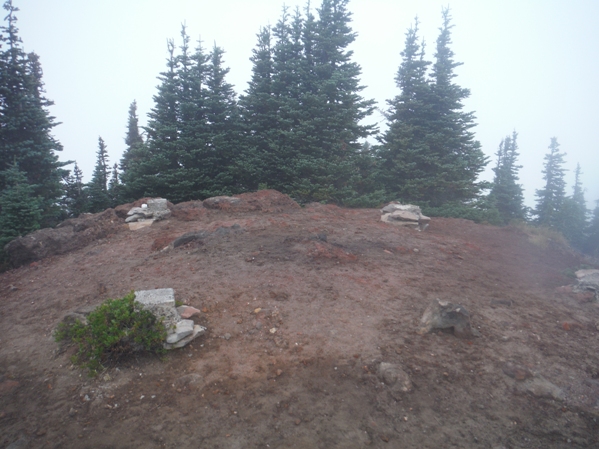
<point>187,312</point>
<point>197,331</point>
<point>182,329</point>
<point>140,224</point>
<point>161,296</point>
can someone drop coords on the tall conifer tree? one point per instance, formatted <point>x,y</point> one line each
<point>573,214</point>
<point>429,154</point>
<point>406,164</point>
<point>550,199</point>
<point>133,140</point>
<point>97,189</point>
<point>591,245</point>
<point>506,193</point>
<point>75,198</point>
<point>25,123</point>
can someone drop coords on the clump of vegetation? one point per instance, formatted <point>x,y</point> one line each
<point>116,328</point>
<point>541,236</point>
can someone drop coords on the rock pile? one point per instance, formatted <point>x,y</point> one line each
<point>446,315</point>
<point>180,329</point>
<point>404,215</point>
<point>156,209</point>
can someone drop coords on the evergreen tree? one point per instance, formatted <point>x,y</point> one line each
<point>303,108</point>
<point>133,140</point>
<point>429,155</point>
<point>21,208</point>
<point>75,198</point>
<point>99,199</point>
<point>25,123</point>
<point>592,235</point>
<point>194,131</point>
<point>406,164</point>
<point>573,214</point>
<point>506,193</point>
<point>225,131</point>
<point>550,199</point>
<point>459,156</point>
<point>330,98</point>
<point>115,188</point>
<point>259,109</point>
<point>158,163</point>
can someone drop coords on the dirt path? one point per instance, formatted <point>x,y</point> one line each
<point>301,307</point>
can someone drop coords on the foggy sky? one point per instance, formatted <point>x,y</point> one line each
<point>531,65</point>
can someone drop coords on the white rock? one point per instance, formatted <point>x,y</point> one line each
<point>182,329</point>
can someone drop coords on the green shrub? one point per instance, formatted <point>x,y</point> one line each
<point>117,327</point>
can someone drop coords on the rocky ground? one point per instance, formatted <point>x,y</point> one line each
<point>302,306</point>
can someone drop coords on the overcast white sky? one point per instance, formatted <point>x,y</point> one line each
<point>531,65</point>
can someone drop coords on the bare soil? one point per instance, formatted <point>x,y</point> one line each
<point>301,306</point>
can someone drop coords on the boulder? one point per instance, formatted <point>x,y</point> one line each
<point>588,280</point>
<point>70,235</point>
<point>404,215</point>
<point>445,315</point>
<point>220,202</point>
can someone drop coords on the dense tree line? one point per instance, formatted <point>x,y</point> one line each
<point>297,128</point>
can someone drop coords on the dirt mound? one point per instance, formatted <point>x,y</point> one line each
<point>313,316</point>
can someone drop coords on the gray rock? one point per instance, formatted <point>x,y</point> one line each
<point>156,209</point>
<point>404,215</point>
<point>220,202</point>
<point>161,296</point>
<point>588,280</point>
<point>161,302</point>
<point>135,217</point>
<point>445,315</point>
<point>190,237</point>
<point>541,388</point>
<point>197,331</point>
<point>157,205</point>
<point>396,378</point>
<point>181,330</point>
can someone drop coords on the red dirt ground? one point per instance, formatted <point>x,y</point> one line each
<point>301,306</point>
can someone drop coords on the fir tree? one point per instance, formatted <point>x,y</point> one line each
<point>259,109</point>
<point>225,131</point>
<point>99,199</point>
<point>573,214</point>
<point>25,123</point>
<point>550,199</point>
<point>459,157</point>
<point>21,208</point>
<point>75,198</point>
<point>406,163</point>
<point>429,155</point>
<point>158,163</point>
<point>115,188</point>
<point>592,234</point>
<point>506,193</point>
<point>133,140</point>
<point>330,97</point>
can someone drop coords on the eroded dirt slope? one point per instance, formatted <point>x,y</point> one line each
<point>301,306</point>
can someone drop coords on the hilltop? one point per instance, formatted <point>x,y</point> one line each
<point>302,305</point>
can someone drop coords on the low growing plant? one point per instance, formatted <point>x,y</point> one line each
<point>116,328</point>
